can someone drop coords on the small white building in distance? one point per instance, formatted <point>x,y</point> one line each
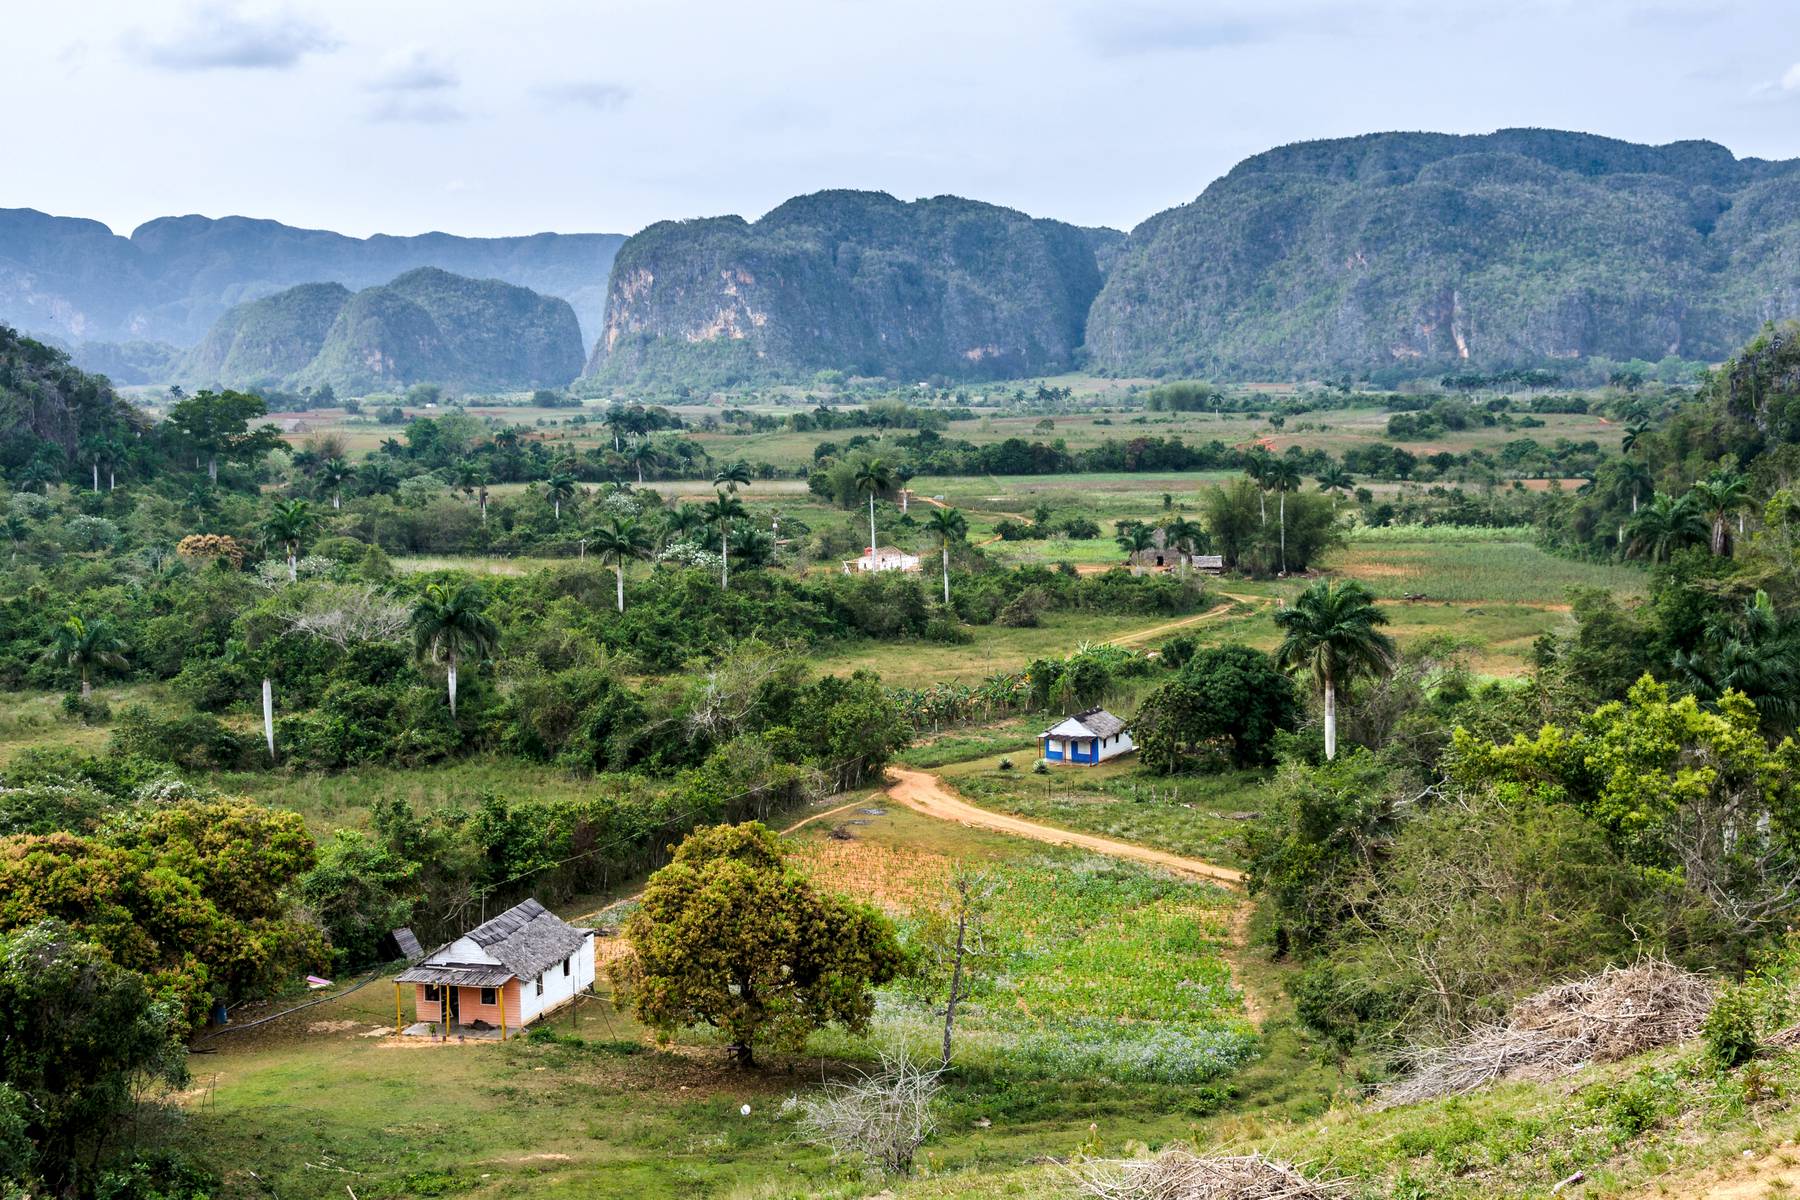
<point>1086,738</point>
<point>882,558</point>
<point>501,975</point>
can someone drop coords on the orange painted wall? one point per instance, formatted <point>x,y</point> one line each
<point>470,1009</point>
<point>426,1010</point>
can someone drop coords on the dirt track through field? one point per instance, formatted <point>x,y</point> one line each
<point>925,793</point>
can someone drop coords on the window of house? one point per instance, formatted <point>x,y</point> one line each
<point>488,996</point>
<point>540,983</point>
<point>432,992</point>
<point>565,968</point>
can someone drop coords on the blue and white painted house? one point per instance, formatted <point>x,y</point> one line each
<point>1086,738</point>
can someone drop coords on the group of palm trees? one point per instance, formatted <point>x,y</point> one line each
<point>1281,475</point>
<point>1705,515</point>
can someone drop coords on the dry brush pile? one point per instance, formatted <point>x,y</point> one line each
<point>1617,1013</point>
<point>1178,1174</point>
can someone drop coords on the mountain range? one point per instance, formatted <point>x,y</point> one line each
<point>425,326</point>
<point>1401,253</point>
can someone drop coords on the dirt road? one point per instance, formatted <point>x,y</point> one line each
<point>924,792</point>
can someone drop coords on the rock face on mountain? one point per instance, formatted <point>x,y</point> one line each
<point>45,401</point>
<point>1433,250</point>
<point>426,326</point>
<point>175,276</point>
<point>857,281</point>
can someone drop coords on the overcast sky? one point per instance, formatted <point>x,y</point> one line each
<point>402,116</point>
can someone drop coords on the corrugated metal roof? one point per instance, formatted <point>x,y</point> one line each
<point>408,942</point>
<point>456,975</point>
<point>527,938</point>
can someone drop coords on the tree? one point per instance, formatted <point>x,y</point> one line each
<point>1664,526</point>
<point>732,936</point>
<point>79,1036</point>
<point>451,624</point>
<point>722,512</point>
<point>618,541</point>
<point>333,474</point>
<point>86,645</point>
<point>1283,475</point>
<point>752,547</point>
<point>1330,631</point>
<point>1184,537</point>
<point>732,476</point>
<point>217,426</point>
<point>1256,466</point>
<point>1719,499</point>
<point>559,487</point>
<point>1234,695</point>
<point>377,478</point>
<point>288,525</point>
<point>1336,481</point>
<point>947,525</point>
<point>1134,539</point>
<point>641,455</point>
<point>872,479</point>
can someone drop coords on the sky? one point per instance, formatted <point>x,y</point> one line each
<point>400,116</point>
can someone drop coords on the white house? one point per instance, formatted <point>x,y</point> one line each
<point>501,975</point>
<point>1087,737</point>
<point>882,558</point>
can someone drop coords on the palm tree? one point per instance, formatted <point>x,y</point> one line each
<point>1135,539</point>
<point>16,529</point>
<point>1634,434</point>
<point>1184,537</point>
<point>448,625</point>
<point>753,547</point>
<point>333,475</point>
<point>86,646</point>
<point>1726,493</point>
<point>93,448</point>
<point>722,512</point>
<point>682,520</point>
<point>1631,479</point>
<point>1752,651</point>
<point>288,524</point>
<point>731,476</point>
<point>1283,474</point>
<point>559,487</point>
<point>947,525</point>
<point>378,478</point>
<point>873,477</point>
<point>1336,480</point>
<point>903,475</point>
<point>618,541</point>
<point>1664,526</point>
<point>1256,466</point>
<point>641,455</point>
<point>1330,630</point>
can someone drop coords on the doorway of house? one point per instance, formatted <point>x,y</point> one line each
<point>455,1009</point>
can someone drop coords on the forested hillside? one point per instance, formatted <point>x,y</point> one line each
<point>174,276</point>
<point>425,326</point>
<point>1418,251</point>
<point>852,281</point>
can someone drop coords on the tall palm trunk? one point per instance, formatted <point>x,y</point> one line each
<point>1284,533</point>
<point>451,659</point>
<point>946,574</point>
<point>268,699</point>
<point>724,557</point>
<point>558,505</point>
<point>619,569</point>
<point>484,506</point>
<point>87,686</point>
<point>1718,536</point>
<point>871,531</point>
<point>1262,500</point>
<point>1330,719</point>
<point>112,478</point>
<point>337,501</point>
<point>96,475</point>
<point>293,566</point>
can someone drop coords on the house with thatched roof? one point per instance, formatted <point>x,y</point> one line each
<point>1086,738</point>
<point>499,976</point>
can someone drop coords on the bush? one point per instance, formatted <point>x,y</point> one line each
<point>1731,1028</point>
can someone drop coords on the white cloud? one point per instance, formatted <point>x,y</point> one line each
<point>224,36</point>
<point>418,110</point>
<point>604,97</point>
<point>411,69</point>
<point>1791,81</point>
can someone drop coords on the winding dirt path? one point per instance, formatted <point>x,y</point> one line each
<point>925,793</point>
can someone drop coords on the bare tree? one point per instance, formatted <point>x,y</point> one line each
<point>966,912</point>
<point>885,1116</point>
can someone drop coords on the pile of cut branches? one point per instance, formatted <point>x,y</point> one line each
<point>1619,1012</point>
<point>1178,1174</point>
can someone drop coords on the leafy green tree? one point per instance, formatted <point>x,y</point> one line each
<point>946,527</point>
<point>288,525</point>
<point>86,645</point>
<point>79,1036</point>
<point>377,478</point>
<point>1233,696</point>
<point>1331,632</point>
<point>218,426</point>
<point>450,625</point>
<point>730,935</point>
<point>618,541</point>
<point>359,890</point>
<point>873,478</point>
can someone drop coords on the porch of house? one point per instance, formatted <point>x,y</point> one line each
<point>461,1033</point>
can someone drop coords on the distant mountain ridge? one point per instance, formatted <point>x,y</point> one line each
<point>1425,251</point>
<point>853,281</point>
<point>425,326</point>
<point>174,276</point>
